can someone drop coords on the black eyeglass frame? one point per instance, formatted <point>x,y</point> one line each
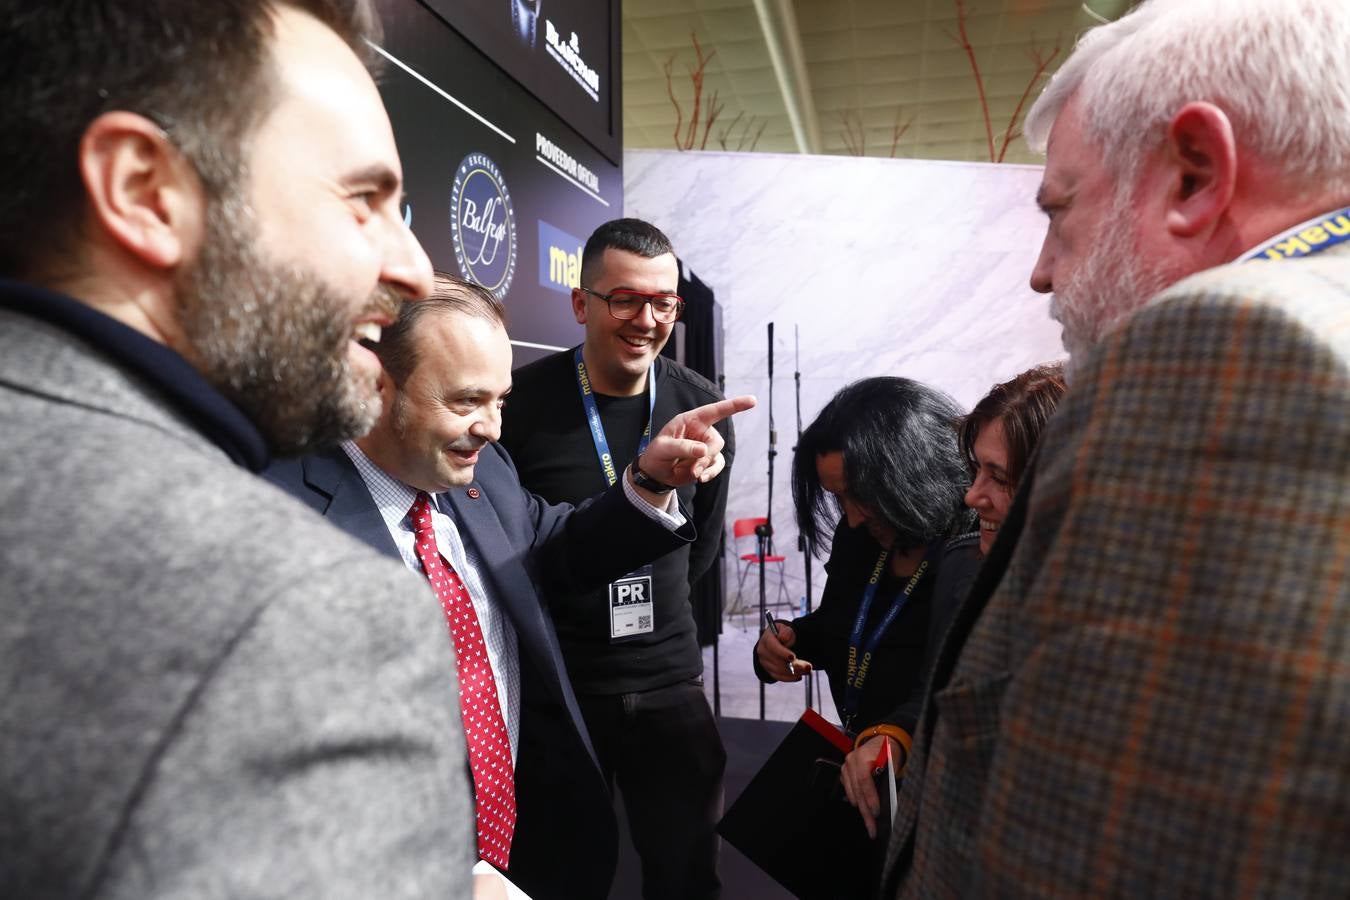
<point>650,298</point>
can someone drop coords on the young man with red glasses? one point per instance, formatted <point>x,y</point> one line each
<point>574,421</point>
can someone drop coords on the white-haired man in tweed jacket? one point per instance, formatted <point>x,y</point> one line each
<point>1147,693</point>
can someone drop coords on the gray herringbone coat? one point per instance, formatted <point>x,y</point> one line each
<point>1155,701</point>
<point>205,690</point>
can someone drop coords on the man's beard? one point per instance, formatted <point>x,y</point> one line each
<point>1112,282</point>
<point>273,337</point>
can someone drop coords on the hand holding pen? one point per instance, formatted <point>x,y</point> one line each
<point>775,654</point>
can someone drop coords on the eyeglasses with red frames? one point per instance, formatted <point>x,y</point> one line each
<point>625,304</point>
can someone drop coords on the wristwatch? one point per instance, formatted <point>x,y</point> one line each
<point>524,15</point>
<point>645,481</point>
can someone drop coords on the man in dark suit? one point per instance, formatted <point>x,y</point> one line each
<point>433,454</point>
<point>1146,692</point>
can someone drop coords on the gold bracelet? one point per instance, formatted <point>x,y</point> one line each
<point>891,731</point>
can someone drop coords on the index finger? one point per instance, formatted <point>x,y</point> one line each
<point>716,412</point>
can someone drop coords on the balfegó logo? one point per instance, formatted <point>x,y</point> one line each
<point>559,259</point>
<point>482,224</point>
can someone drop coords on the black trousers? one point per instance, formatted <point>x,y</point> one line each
<point>663,749</point>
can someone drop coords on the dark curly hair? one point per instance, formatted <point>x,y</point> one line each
<point>901,458</point>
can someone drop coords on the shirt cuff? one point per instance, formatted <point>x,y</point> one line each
<point>669,518</point>
<point>512,892</point>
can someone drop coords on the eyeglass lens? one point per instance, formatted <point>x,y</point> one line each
<point>626,305</point>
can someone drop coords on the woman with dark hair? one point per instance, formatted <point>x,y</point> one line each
<point>997,439</point>
<point>880,467</point>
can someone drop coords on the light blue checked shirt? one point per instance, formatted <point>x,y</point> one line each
<point>394,499</point>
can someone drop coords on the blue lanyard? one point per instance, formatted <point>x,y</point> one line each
<point>598,428</point>
<point>860,662</point>
<point>1304,239</point>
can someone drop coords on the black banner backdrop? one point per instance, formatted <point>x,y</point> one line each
<point>500,188</point>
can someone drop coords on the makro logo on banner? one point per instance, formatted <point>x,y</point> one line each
<point>559,259</point>
<point>483,225</point>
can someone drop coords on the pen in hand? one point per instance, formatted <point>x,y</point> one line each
<point>772,625</point>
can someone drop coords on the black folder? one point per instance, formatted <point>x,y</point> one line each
<point>794,822</point>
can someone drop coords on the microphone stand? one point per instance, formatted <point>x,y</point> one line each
<point>721,601</point>
<point>764,533</point>
<point>803,544</point>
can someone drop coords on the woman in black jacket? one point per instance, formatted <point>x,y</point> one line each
<point>880,466</point>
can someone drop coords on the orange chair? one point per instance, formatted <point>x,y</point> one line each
<point>741,529</point>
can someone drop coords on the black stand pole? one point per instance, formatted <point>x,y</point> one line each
<point>764,533</point>
<point>721,602</point>
<point>717,682</point>
<point>803,544</point>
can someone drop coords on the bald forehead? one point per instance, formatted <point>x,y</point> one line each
<point>444,330</point>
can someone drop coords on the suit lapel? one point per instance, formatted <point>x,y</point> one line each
<point>350,507</point>
<point>503,565</point>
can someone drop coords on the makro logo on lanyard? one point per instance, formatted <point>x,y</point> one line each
<point>483,225</point>
<point>598,428</point>
<point>853,667</point>
<point>857,671</point>
<point>1304,239</point>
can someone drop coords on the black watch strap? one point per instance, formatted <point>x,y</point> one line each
<point>646,482</point>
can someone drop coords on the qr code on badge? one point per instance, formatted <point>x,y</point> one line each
<point>644,623</point>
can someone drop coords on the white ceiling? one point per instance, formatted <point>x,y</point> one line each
<point>870,63</point>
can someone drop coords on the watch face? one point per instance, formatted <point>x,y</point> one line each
<point>643,480</point>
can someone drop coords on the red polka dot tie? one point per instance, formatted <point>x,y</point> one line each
<point>494,780</point>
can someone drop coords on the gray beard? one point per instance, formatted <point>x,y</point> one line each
<point>272,338</point>
<point>1108,287</point>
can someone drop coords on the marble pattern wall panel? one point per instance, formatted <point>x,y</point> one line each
<point>884,267</point>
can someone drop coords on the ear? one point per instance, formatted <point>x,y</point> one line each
<point>1202,154</point>
<point>142,191</point>
<point>384,386</point>
<point>579,305</point>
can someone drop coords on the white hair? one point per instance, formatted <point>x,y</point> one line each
<point>1279,69</point>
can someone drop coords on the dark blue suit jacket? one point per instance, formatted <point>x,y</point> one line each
<point>566,838</point>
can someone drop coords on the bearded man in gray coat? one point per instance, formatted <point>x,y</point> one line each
<point>209,692</point>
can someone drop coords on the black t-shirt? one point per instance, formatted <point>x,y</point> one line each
<point>544,429</point>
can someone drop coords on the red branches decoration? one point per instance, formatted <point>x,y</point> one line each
<point>855,136</point>
<point>1038,57</point>
<point>686,140</point>
<point>726,133</point>
<point>898,131</point>
<point>963,41</point>
<point>1042,63</point>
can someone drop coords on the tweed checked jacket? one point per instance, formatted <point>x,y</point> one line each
<point>1155,700</point>
<point>208,691</point>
